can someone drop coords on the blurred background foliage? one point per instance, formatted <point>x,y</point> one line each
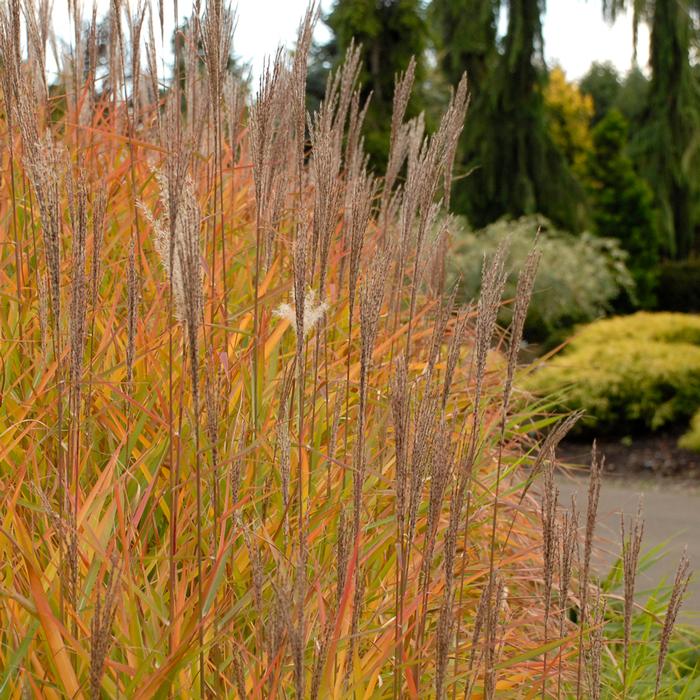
<point>580,276</point>
<point>529,144</point>
<point>607,167</point>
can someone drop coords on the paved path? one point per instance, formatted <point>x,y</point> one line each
<point>671,515</point>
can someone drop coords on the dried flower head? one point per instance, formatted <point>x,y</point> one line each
<point>680,585</point>
<point>184,268</point>
<point>44,161</point>
<point>78,303</point>
<point>631,548</point>
<point>101,626</point>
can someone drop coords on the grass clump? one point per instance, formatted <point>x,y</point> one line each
<point>252,446</point>
<point>654,651</point>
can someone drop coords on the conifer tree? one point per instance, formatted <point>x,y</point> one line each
<point>667,144</point>
<point>632,98</point>
<point>390,33</point>
<point>622,203</point>
<point>602,83</point>
<point>465,36</point>
<point>515,167</point>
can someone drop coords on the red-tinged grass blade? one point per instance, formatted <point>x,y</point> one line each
<point>58,652</point>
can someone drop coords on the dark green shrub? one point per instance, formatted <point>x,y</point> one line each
<point>679,285</point>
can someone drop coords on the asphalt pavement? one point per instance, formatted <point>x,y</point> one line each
<point>671,517</point>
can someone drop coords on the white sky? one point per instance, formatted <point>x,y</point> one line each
<point>575,35</point>
<point>574,31</point>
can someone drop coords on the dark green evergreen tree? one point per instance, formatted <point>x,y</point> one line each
<point>622,203</point>
<point>602,83</point>
<point>608,89</point>
<point>465,38</point>
<point>632,98</point>
<point>390,32</point>
<point>667,144</point>
<point>516,168</point>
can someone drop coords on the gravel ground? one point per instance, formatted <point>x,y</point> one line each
<point>655,455</point>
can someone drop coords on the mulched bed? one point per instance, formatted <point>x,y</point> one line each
<point>655,455</point>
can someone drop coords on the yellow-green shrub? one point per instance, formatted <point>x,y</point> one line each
<point>639,371</point>
<point>691,439</point>
<point>642,327</point>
